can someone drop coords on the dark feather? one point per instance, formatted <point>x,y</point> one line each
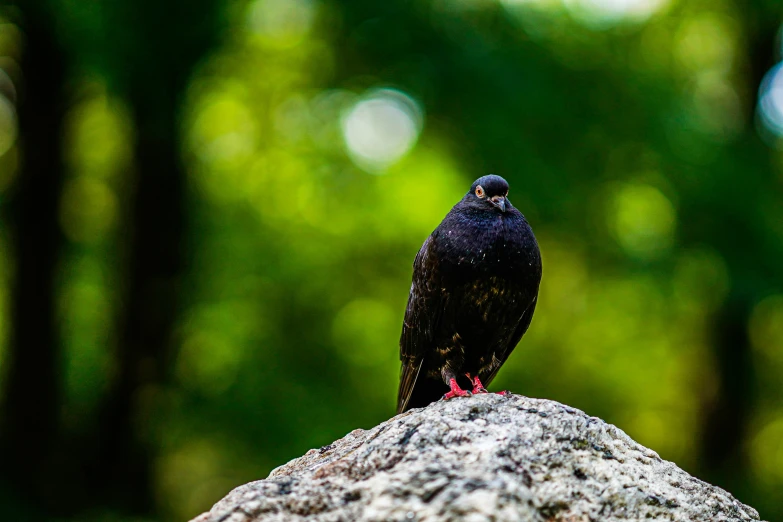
<point>488,375</point>
<point>422,315</point>
<point>474,289</point>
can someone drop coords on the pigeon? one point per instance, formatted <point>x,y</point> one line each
<point>474,291</point>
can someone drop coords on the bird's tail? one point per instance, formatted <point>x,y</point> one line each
<point>425,391</point>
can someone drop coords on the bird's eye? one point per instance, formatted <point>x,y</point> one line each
<point>480,191</point>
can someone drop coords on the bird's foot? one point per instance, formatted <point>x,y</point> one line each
<point>504,393</point>
<point>456,391</point>
<point>477,386</point>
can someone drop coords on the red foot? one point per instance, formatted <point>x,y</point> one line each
<point>477,386</point>
<point>456,391</point>
<point>504,392</point>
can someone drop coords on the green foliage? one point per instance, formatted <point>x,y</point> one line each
<point>628,140</point>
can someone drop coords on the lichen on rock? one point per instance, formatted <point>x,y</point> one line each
<point>481,458</point>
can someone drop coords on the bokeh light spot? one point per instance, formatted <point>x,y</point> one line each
<point>716,107</point>
<point>706,43</point>
<point>599,13</point>
<point>771,100</point>
<point>381,128</point>
<point>208,362</point>
<point>86,319</point>
<point>9,164</point>
<point>766,329</point>
<point>536,3</point>
<point>282,23</point>
<point>8,124</point>
<point>223,133</point>
<point>100,135</point>
<point>643,220</point>
<point>766,451</point>
<point>88,210</point>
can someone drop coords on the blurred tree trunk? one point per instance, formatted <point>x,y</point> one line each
<point>168,39</point>
<point>32,381</point>
<point>727,414</point>
<point>151,308</point>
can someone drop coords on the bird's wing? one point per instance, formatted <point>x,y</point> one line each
<point>502,355</point>
<point>422,317</point>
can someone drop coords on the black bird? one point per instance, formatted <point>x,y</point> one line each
<point>475,285</point>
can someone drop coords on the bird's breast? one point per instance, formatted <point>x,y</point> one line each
<point>495,247</point>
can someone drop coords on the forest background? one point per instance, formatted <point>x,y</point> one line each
<point>209,210</point>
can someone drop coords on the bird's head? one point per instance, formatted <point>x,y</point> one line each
<point>489,192</point>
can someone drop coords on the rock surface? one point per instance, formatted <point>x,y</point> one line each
<point>481,458</point>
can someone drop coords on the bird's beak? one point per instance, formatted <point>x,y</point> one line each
<point>499,201</point>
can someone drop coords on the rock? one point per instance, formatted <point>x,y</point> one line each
<point>481,458</point>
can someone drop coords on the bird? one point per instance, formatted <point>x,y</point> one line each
<point>474,290</point>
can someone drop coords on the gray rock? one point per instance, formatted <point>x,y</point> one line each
<point>481,458</point>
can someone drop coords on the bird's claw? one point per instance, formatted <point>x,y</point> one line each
<point>452,394</point>
<point>478,387</point>
<point>504,393</point>
<point>455,391</point>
